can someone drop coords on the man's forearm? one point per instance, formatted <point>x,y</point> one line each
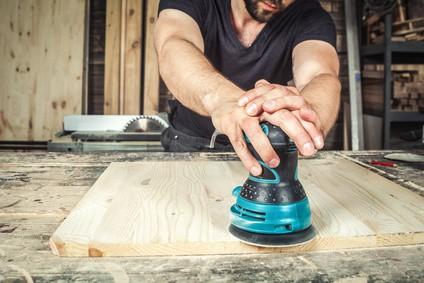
<point>192,79</point>
<point>323,94</point>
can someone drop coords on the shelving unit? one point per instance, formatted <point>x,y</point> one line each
<point>388,53</point>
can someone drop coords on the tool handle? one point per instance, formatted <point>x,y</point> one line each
<point>286,151</point>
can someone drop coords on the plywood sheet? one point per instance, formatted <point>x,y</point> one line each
<point>41,55</point>
<point>182,208</point>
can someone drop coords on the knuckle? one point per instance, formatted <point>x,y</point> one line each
<point>251,94</point>
<point>276,92</point>
<point>300,100</point>
<point>301,137</point>
<point>260,100</point>
<point>245,123</point>
<point>254,133</point>
<point>281,101</point>
<point>283,90</point>
<point>285,115</point>
<point>239,144</point>
<point>267,156</point>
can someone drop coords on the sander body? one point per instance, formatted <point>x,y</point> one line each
<point>272,209</point>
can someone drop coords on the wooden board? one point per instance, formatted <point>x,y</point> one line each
<point>133,59</point>
<point>41,70</point>
<point>112,57</point>
<point>182,208</point>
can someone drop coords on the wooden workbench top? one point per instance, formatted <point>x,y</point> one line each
<point>38,190</point>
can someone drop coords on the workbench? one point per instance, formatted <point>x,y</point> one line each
<point>39,189</point>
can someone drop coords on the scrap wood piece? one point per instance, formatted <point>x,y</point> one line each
<point>182,208</point>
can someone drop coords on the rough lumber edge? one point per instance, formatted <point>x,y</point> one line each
<point>59,248</point>
<point>112,57</point>
<point>235,247</point>
<point>151,69</point>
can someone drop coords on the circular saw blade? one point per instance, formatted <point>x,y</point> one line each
<point>146,123</point>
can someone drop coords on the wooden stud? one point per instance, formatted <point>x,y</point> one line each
<point>151,70</point>
<point>112,58</point>
<point>132,68</point>
<point>123,57</point>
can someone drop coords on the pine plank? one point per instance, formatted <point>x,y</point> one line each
<point>123,60</point>
<point>133,59</point>
<point>181,208</point>
<point>112,57</point>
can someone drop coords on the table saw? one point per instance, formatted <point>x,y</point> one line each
<point>102,133</point>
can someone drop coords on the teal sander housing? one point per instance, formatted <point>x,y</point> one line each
<point>273,209</point>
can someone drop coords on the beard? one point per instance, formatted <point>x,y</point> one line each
<point>260,14</point>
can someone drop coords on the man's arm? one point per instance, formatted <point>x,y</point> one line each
<point>187,73</point>
<point>198,86</point>
<point>314,102</point>
<point>315,73</point>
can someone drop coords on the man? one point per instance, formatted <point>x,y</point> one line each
<point>228,63</point>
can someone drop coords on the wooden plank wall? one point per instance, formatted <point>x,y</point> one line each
<point>129,46</point>
<point>151,70</point>
<point>41,69</point>
<point>112,57</point>
<point>123,58</point>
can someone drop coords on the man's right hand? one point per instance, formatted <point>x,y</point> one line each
<point>289,110</point>
<point>232,120</point>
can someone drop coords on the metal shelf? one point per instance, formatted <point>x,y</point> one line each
<point>401,116</point>
<point>389,53</point>
<point>402,52</point>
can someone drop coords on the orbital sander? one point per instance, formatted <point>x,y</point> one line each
<point>272,209</point>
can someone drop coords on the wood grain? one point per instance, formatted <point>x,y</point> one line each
<point>112,57</point>
<point>41,55</point>
<point>151,68</point>
<point>133,59</point>
<point>181,208</point>
<point>123,59</point>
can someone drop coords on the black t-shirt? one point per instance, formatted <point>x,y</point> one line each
<point>269,57</point>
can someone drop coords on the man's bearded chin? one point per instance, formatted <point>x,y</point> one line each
<point>260,14</point>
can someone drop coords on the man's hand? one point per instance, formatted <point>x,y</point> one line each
<point>231,119</point>
<point>285,107</point>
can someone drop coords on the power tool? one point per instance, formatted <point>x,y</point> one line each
<point>272,209</point>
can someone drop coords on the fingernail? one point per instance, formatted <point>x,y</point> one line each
<point>242,101</point>
<point>274,163</point>
<point>269,103</point>
<point>319,142</point>
<point>251,109</point>
<point>255,170</point>
<point>308,148</point>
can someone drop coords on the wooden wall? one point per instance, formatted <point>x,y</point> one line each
<point>131,74</point>
<point>123,57</point>
<point>151,68</point>
<point>41,66</point>
<point>96,56</point>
